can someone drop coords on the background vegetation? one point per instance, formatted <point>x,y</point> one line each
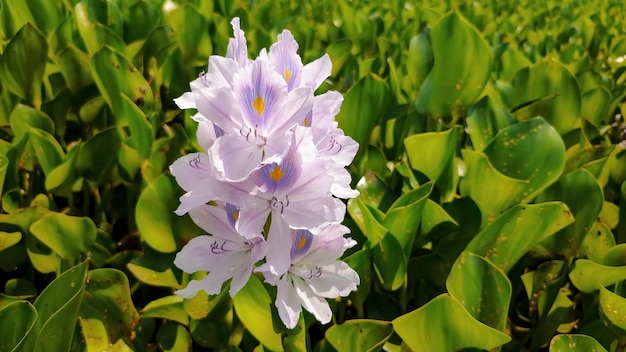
<point>492,174</point>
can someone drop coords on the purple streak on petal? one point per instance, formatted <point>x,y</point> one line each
<point>279,177</point>
<point>232,212</point>
<point>261,95</point>
<point>301,242</point>
<point>285,59</point>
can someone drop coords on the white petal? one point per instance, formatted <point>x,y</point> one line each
<point>214,220</point>
<point>234,157</point>
<point>337,279</point>
<point>252,218</point>
<point>192,170</point>
<point>315,304</point>
<point>186,101</point>
<point>287,303</point>
<point>314,73</point>
<point>198,196</point>
<point>279,241</point>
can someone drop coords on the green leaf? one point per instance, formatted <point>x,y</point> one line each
<point>580,191</point>
<point>108,299</point>
<point>155,269</point>
<point>23,63</point>
<point>390,262</point>
<point>21,288</point>
<point>68,236</point>
<point>589,276</point>
<point>48,151</point>
<point>16,321</point>
<point>4,165</point>
<point>482,288</point>
<point>403,217</point>
<point>551,92</point>
<point>24,116</point>
<point>252,305</point>
<point>595,105</point>
<point>362,108</point>
<point>518,163</point>
<point>575,342</point>
<point>484,120</point>
<point>9,239</point>
<point>461,69</point>
<point>168,307</point>
<point>173,337</point>
<point>57,311</point>
<point>97,154</point>
<point>613,310</point>
<point>158,225</point>
<point>443,322</point>
<point>517,231</point>
<point>420,58</point>
<point>359,335</point>
<point>95,334</point>
<point>439,165</point>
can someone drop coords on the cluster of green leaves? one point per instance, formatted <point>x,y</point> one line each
<point>492,172</point>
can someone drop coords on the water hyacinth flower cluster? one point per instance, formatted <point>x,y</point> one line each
<point>268,187</point>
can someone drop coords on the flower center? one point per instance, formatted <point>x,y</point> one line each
<point>279,204</point>
<point>259,105</point>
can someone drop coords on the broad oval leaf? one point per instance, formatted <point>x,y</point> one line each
<point>461,69</point>
<point>359,335</point>
<point>252,305</point>
<point>574,343</point>
<point>443,324</point>
<point>482,288</point>
<point>16,321</point>
<point>517,231</point>
<point>68,236</point>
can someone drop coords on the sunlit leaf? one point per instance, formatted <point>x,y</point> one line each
<point>450,327</point>
<point>359,335</point>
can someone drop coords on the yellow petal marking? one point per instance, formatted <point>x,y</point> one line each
<point>301,243</point>
<point>287,74</point>
<point>276,174</point>
<point>236,215</point>
<point>306,121</point>
<point>258,104</point>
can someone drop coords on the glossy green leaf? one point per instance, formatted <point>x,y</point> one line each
<point>173,337</point>
<point>589,276</point>
<point>390,262</point>
<point>159,226</point>
<point>95,334</point>
<point>484,120</point>
<point>74,65</point>
<point>168,307</point>
<point>403,217</point>
<point>482,288</point>
<point>16,321</point>
<point>518,163</point>
<point>4,165</point>
<point>252,305</point>
<point>108,299</point>
<point>361,262</point>
<point>154,269</point>
<point>68,236</point>
<point>420,58</point>
<point>48,151</point>
<point>57,311</point>
<point>517,231</point>
<point>23,64</point>
<point>439,165</point>
<point>362,108</point>
<point>97,154</point>
<point>359,335</point>
<point>580,191</point>
<point>575,342</point>
<point>462,65</point>
<point>21,288</point>
<point>552,92</point>
<point>23,116</point>
<point>595,105</point>
<point>450,328</point>
<point>9,239</point>
<point>613,309</point>
<point>143,17</point>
